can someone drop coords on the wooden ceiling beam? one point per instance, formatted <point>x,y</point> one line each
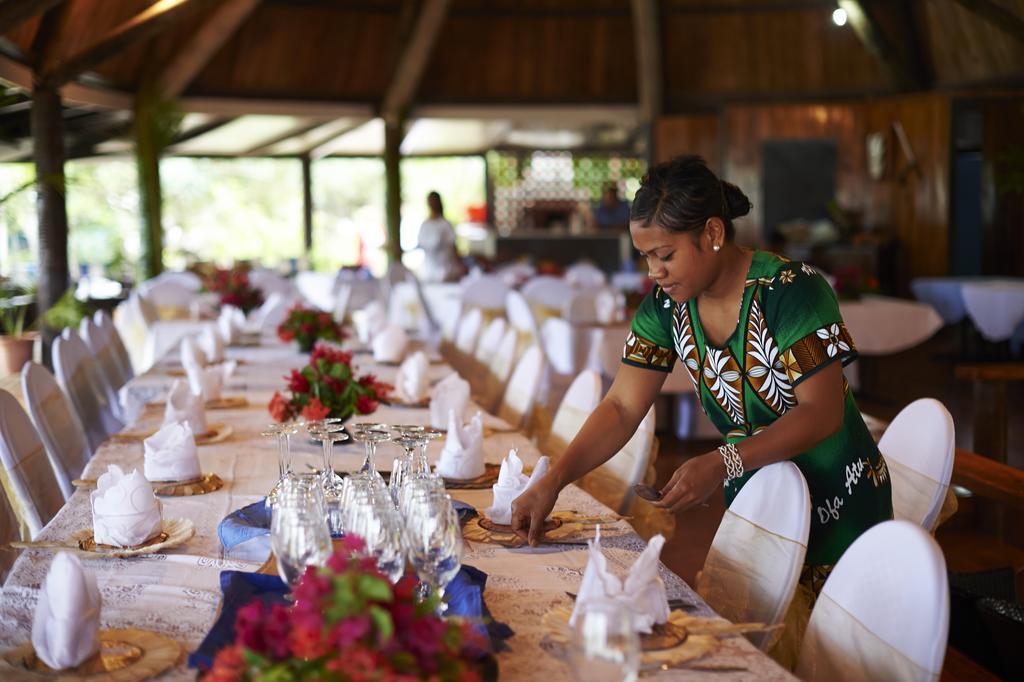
<point>267,146</point>
<point>147,23</point>
<point>875,42</point>
<point>413,60</point>
<point>202,129</point>
<point>999,16</point>
<point>196,52</point>
<point>323,146</point>
<point>16,12</point>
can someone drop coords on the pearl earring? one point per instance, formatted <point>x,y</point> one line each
<point>717,248</point>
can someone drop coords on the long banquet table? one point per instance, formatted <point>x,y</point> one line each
<point>177,593</point>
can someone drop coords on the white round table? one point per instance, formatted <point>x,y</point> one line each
<point>881,325</point>
<point>995,307</point>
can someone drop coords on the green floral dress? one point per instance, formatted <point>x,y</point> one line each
<point>790,328</point>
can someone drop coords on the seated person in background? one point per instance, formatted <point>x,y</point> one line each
<point>612,212</point>
<point>437,239</point>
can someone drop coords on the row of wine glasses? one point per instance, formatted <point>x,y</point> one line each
<point>412,519</point>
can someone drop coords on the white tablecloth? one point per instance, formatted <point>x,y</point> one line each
<point>881,325</point>
<point>177,593</point>
<point>996,308</point>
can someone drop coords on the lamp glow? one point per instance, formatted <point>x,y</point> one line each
<point>839,17</point>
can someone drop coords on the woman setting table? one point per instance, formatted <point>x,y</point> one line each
<point>764,343</point>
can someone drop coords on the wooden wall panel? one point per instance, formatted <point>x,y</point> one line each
<point>744,129</point>
<point>1004,220</point>
<point>915,208</point>
<point>966,49</point>
<point>675,135</point>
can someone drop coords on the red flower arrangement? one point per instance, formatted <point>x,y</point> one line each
<point>234,288</point>
<point>327,387</point>
<point>306,326</point>
<point>349,623</point>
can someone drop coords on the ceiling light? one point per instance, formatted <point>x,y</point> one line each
<point>839,17</point>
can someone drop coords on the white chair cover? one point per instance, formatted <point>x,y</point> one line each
<point>100,347</point>
<point>88,390</point>
<point>918,447</point>
<point>9,532</point>
<point>271,282</point>
<point>883,613</point>
<point>583,396</point>
<point>450,323</point>
<point>515,274</point>
<point>753,566</point>
<point>522,389</point>
<point>552,293</point>
<point>134,319</point>
<point>27,475</point>
<point>632,464</point>
<point>522,319</point>
<point>483,291</point>
<point>584,275</point>
<point>170,293</point>
<point>342,297</point>
<point>499,369</point>
<point>107,329</point>
<point>489,341</point>
<point>582,307</point>
<point>317,288</point>
<point>57,423</point>
<point>557,337</point>
<point>468,333</point>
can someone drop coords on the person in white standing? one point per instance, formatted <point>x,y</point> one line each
<point>437,239</point>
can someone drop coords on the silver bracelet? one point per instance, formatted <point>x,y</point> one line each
<point>733,461</point>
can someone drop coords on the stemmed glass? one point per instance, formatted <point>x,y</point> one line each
<point>433,539</point>
<point>299,535</point>
<point>370,514</point>
<point>605,644</point>
<point>413,462</point>
<point>283,433</point>
<point>333,484</point>
<point>370,435</point>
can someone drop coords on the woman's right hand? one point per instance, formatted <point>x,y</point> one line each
<point>531,508</point>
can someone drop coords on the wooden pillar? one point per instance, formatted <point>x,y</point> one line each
<point>48,151</point>
<point>394,131</point>
<point>148,147</point>
<point>307,209</point>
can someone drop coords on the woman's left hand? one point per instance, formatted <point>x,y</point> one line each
<point>693,482</point>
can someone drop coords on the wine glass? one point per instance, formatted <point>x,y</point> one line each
<point>283,433</point>
<point>299,535</point>
<point>605,644</point>
<point>370,435</point>
<point>425,485</point>
<point>373,518</point>
<point>433,538</point>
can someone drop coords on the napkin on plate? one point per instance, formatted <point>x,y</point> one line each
<point>369,320</point>
<point>209,381</point>
<point>183,405</point>
<point>463,455</point>
<point>65,630</point>
<point>231,324</point>
<point>212,345</point>
<point>642,592</point>
<point>512,483</point>
<point>192,354</point>
<point>411,382</point>
<point>170,454</point>
<point>390,344</point>
<point>125,512</point>
<point>451,393</point>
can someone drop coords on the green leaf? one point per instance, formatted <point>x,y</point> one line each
<point>253,659</point>
<point>382,621</point>
<point>373,588</point>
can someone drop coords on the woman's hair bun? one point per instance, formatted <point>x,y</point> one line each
<point>737,202</point>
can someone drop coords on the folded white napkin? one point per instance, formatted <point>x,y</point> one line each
<point>184,405</point>
<point>192,356</point>
<point>369,320</point>
<point>463,454</point>
<point>606,306</point>
<point>230,324</point>
<point>125,512</point>
<point>65,630</point>
<point>451,393</point>
<point>212,345</point>
<point>512,483</point>
<point>209,381</point>
<point>171,455</point>
<point>390,344</point>
<point>642,592</point>
<point>411,382</point>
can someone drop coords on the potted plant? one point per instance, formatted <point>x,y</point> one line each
<point>15,340</point>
